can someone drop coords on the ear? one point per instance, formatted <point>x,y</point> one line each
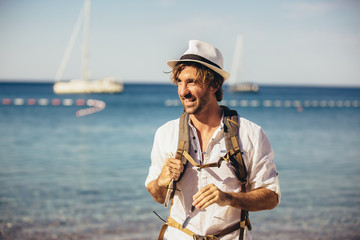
<point>213,90</point>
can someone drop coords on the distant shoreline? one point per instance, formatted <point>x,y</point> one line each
<point>128,83</point>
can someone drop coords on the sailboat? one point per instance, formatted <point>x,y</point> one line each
<point>83,85</point>
<point>235,81</point>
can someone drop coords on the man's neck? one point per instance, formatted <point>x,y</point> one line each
<point>206,124</point>
<point>208,119</point>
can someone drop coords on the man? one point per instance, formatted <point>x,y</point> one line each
<point>207,201</point>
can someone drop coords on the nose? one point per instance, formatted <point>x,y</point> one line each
<point>182,89</point>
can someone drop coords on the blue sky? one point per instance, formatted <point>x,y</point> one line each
<point>285,42</point>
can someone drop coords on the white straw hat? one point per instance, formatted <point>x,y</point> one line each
<point>205,54</point>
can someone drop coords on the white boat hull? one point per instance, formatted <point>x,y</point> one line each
<point>83,86</point>
<point>244,87</point>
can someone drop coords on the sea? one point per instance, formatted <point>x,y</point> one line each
<point>65,175</point>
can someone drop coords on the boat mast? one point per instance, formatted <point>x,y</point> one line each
<point>236,67</point>
<point>70,46</point>
<point>85,47</point>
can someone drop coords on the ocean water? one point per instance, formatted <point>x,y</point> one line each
<point>69,177</point>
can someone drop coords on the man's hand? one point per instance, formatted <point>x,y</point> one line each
<point>171,170</point>
<point>254,200</point>
<point>210,194</point>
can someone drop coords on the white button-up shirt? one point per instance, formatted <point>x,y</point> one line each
<point>258,157</point>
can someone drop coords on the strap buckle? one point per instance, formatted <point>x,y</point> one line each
<point>200,237</point>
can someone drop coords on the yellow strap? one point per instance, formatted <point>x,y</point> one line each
<point>192,161</point>
<point>230,120</point>
<point>162,232</point>
<point>242,224</point>
<point>172,223</point>
<point>180,150</point>
<point>215,164</point>
<point>235,143</point>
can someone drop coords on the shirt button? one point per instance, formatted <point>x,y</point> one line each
<point>195,151</point>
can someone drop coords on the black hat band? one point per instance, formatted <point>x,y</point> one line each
<point>198,58</point>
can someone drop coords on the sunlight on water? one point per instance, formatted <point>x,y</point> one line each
<point>67,177</point>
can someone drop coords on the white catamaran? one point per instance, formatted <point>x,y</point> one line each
<point>235,81</point>
<point>83,85</point>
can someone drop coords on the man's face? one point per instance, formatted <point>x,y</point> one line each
<point>194,97</point>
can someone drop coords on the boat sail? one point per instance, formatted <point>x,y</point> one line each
<point>83,85</point>
<point>235,81</point>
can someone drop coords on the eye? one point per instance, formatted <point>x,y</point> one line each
<point>177,82</point>
<point>191,81</point>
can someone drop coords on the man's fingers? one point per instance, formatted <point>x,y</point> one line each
<point>175,164</point>
<point>175,175</point>
<point>172,169</point>
<point>206,201</point>
<point>205,189</point>
<point>206,196</point>
<point>177,168</point>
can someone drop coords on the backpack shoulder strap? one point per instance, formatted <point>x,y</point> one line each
<point>184,138</point>
<point>182,150</point>
<point>231,131</point>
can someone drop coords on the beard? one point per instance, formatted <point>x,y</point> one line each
<point>198,103</point>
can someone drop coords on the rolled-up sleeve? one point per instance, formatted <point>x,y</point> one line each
<point>165,140</point>
<point>260,161</point>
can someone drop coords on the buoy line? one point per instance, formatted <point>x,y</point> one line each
<point>280,103</point>
<point>94,105</point>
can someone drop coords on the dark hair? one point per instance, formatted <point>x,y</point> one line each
<point>204,77</point>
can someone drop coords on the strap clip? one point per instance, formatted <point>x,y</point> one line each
<point>200,237</point>
<point>243,181</point>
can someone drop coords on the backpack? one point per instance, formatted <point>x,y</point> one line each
<point>233,156</point>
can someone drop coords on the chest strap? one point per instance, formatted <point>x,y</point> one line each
<point>225,158</point>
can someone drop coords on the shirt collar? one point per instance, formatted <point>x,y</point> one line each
<point>221,122</point>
